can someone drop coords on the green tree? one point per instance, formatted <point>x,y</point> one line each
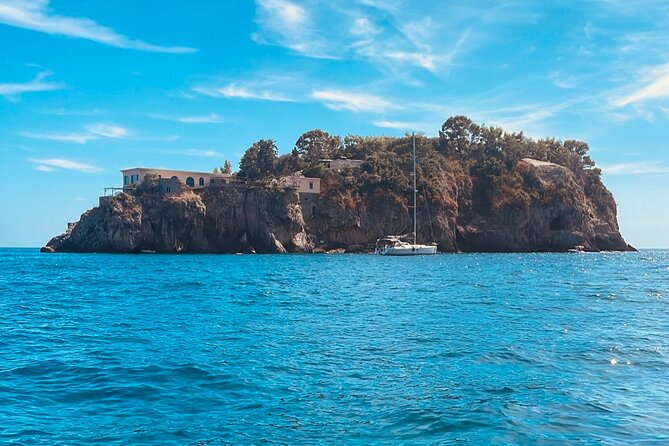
<point>227,167</point>
<point>317,144</point>
<point>259,160</point>
<point>248,165</point>
<point>459,136</point>
<point>288,164</point>
<point>267,155</point>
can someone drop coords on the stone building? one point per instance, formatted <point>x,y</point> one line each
<point>308,189</point>
<point>194,180</point>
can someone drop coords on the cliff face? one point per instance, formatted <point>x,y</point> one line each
<point>214,220</point>
<point>559,214</point>
<point>556,212</point>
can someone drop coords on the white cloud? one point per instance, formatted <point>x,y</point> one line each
<point>362,26</point>
<point>562,81</point>
<point>403,125</point>
<point>212,118</point>
<point>51,164</point>
<point>39,83</point>
<point>92,132</point>
<point>522,121</point>
<point>655,88</point>
<point>233,90</point>
<point>427,61</point>
<point>202,153</point>
<point>394,35</point>
<point>79,138</point>
<point>71,112</point>
<point>286,12</point>
<point>356,102</point>
<point>290,25</point>
<point>635,168</point>
<point>35,15</point>
<point>107,131</point>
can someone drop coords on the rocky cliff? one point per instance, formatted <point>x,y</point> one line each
<point>224,219</point>
<point>552,210</point>
<point>557,213</point>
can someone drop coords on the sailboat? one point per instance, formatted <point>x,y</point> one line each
<point>396,245</point>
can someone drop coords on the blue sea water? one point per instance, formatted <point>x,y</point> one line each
<point>340,349</point>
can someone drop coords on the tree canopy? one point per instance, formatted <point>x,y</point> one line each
<point>258,162</point>
<point>316,144</point>
<point>487,155</point>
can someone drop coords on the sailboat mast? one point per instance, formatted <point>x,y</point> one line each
<point>415,234</point>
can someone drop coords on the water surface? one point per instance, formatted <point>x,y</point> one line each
<point>341,349</point>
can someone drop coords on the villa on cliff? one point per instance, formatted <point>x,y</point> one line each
<point>169,181</point>
<point>194,180</point>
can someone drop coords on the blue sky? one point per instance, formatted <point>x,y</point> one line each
<point>88,88</point>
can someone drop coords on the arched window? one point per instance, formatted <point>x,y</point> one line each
<point>190,182</point>
<point>201,182</point>
<point>313,210</point>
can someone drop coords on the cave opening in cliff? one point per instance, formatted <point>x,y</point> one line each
<point>560,223</point>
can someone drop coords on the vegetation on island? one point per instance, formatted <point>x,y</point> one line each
<point>464,151</point>
<point>475,194</point>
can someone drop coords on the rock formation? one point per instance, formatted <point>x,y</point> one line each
<point>224,219</point>
<point>560,214</point>
<point>553,211</point>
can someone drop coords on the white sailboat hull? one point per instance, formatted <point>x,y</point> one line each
<point>408,250</point>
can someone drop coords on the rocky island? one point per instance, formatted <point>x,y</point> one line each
<point>480,189</point>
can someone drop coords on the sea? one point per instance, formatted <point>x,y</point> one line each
<point>334,349</point>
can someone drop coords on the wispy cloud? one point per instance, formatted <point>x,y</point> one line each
<point>236,91</point>
<point>288,24</point>
<point>363,27</point>
<point>635,168</point>
<point>391,6</point>
<point>107,131</point>
<point>39,83</point>
<point>71,112</point>
<point>392,35</point>
<point>656,87</point>
<point>351,101</point>
<point>202,153</point>
<point>53,164</point>
<point>211,118</point>
<point>36,15</point>
<point>427,61</point>
<point>562,81</point>
<point>404,125</point>
<point>91,132</point>
<point>206,119</point>
<point>286,12</point>
<point>78,138</point>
